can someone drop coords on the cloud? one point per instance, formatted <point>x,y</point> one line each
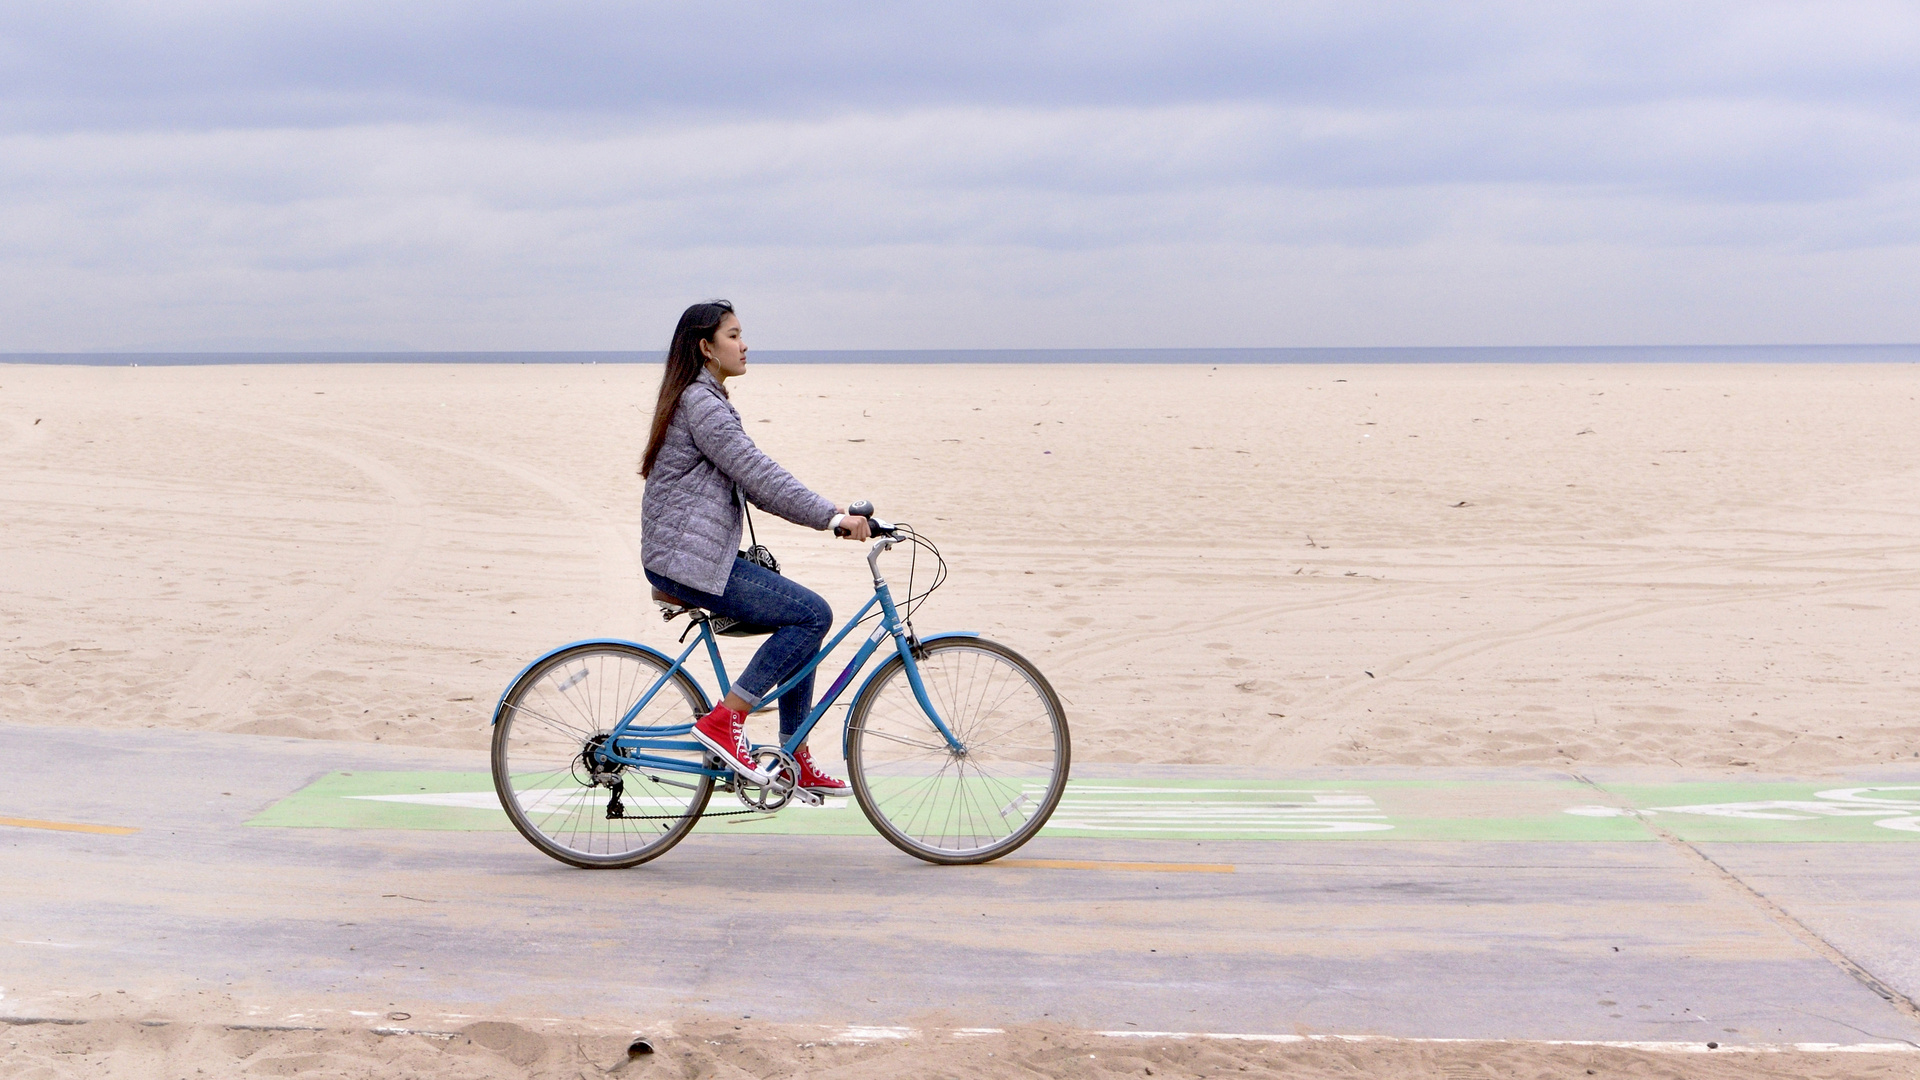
<point>519,176</point>
<point>120,64</point>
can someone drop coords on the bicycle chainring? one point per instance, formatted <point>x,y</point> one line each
<point>783,777</point>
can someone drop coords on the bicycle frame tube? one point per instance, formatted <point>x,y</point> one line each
<point>656,737</point>
<point>826,702</point>
<point>713,653</point>
<point>767,699</point>
<point>625,724</point>
<point>644,738</point>
<point>891,625</point>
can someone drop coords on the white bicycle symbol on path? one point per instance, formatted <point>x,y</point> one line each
<point>1895,807</point>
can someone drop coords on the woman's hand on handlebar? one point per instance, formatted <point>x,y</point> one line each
<point>853,527</point>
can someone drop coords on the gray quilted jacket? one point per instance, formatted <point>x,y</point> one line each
<point>690,516</point>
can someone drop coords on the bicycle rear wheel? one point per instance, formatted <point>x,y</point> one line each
<point>976,804</point>
<point>565,799</point>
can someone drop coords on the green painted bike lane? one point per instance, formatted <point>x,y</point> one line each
<point>1240,809</point>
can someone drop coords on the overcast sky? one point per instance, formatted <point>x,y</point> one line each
<point>568,175</point>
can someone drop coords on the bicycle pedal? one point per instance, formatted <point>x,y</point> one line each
<point>808,797</point>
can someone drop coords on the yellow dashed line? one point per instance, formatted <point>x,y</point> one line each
<point>67,826</point>
<point>1148,867</point>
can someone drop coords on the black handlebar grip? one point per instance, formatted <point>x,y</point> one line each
<point>864,509</point>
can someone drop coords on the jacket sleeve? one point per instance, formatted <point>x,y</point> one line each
<point>718,435</point>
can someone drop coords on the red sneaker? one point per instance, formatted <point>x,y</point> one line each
<point>812,779</point>
<point>724,732</point>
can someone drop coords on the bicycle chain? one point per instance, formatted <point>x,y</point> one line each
<point>703,814</point>
<point>623,816</point>
<point>677,817</point>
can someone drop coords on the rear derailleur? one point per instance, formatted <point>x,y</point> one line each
<point>602,773</point>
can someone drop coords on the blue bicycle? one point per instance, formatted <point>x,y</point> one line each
<point>956,747</point>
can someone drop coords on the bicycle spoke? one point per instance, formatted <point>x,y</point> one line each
<point>552,719</point>
<point>936,747</point>
<point>561,691</point>
<point>560,726</point>
<point>950,806</point>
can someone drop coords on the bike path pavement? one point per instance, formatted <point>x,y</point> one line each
<point>297,876</point>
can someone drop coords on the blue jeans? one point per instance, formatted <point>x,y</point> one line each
<point>758,595</point>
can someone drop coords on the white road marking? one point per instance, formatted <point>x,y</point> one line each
<point>487,800</point>
<point>1651,1047</point>
<point>857,1033</point>
<point>1190,810</point>
<point>863,1033</point>
<point>1091,808</point>
<point>1894,812</point>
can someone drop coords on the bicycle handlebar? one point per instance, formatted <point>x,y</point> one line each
<point>876,527</point>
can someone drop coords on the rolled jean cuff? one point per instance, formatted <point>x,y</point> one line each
<point>753,700</point>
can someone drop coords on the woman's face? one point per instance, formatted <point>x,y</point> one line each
<point>727,353</point>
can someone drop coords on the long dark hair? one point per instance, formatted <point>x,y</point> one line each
<point>684,360</point>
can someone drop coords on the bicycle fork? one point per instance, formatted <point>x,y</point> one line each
<point>908,646</point>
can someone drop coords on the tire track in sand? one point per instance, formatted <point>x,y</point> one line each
<point>1425,663</point>
<point>1105,642</point>
<point>620,578</point>
<point>225,683</point>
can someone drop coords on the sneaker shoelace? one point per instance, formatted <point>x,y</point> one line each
<point>810,775</point>
<point>738,727</point>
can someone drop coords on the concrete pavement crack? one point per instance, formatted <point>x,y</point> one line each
<point>1800,931</point>
<point>1855,1027</point>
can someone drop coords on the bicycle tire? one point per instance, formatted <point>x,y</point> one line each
<point>950,808</point>
<point>542,730</point>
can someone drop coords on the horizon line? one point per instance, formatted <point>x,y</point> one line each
<point>1775,353</point>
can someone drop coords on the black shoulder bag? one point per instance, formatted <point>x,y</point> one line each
<point>758,554</point>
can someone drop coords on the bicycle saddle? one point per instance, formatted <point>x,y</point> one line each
<point>672,606</point>
<point>662,597</point>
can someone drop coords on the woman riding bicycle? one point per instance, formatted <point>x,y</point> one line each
<point>701,471</point>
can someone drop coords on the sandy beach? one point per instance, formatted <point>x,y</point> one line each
<point>1701,566</point>
<point>1709,568</point>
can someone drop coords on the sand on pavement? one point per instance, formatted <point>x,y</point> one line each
<point>113,1049</point>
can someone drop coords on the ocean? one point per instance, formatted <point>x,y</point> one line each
<point>1503,354</point>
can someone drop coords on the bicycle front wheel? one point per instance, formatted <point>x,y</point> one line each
<point>982,800</point>
<point>566,799</point>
